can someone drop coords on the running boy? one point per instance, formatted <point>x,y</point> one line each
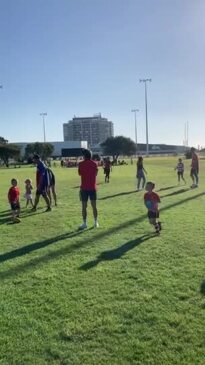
<point>180,171</point>
<point>13,197</point>
<point>151,200</point>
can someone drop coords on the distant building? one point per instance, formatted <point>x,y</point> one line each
<point>94,129</point>
<point>59,147</point>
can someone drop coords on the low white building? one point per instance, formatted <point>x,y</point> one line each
<point>58,146</point>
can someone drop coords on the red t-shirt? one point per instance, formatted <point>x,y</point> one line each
<point>13,194</point>
<point>154,198</point>
<point>88,170</point>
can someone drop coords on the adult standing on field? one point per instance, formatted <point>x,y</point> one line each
<point>194,168</point>
<point>42,182</point>
<point>88,169</point>
<point>140,173</point>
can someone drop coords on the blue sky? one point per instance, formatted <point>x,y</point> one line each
<point>81,57</point>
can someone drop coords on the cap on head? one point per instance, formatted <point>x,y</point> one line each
<point>87,154</point>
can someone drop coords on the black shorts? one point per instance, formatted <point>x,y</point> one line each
<point>180,173</point>
<point>107,172</point>
<point>85,194</point>
<point>15,206</point>
<point>153,215</point>
<point>194,172</point>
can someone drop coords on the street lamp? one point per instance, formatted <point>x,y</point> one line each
<point>147,135</point>
<point>44,127</point>
<point>135,111</point>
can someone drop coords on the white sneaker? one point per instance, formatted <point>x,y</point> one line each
<point>96,224</point>
<point>83,226</point>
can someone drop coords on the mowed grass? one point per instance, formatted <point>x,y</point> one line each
<point>117,295</point>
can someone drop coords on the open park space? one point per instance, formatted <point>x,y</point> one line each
<point>115,295</point>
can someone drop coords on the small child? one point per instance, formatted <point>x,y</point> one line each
<point>151,200</point>
<point>28,193</point>
<point>13,197</point>
<point>180,171</point>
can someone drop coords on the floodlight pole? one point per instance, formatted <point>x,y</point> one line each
<point>146,114</point>
<point>135,111</point>
<point>44,126</point>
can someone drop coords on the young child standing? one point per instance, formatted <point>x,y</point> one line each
<point>13,197</point>
<point>151,200</point>
<point>28,193</point>
<point>180,171</point>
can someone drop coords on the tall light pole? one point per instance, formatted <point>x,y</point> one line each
<point>44,126</point>
<point>146,116</point>
<point>135,111</point>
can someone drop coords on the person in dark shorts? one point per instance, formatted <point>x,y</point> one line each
<point>88,169</point>
<point>13,197</point>
<point>140,173</point>
<point>51,186</point>
<point>42,182</point>
<point>180,171</point>
<point>107,168</point>
<point>194,173</point>
<point>151,200</point>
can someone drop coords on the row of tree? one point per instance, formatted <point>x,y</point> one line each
<point>113,146</point>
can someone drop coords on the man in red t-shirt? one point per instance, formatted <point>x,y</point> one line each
<point>88,170</point>
<point>194,168</point>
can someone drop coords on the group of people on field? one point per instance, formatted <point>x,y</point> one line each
<point>152,199</point>
<point>45,187</point>
<point>88,170</point>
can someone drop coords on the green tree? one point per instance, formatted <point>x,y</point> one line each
<point>116,146</point>
<point>45,150</point>
<point>7,151</point>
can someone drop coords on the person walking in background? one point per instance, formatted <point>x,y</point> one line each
<point>140,173</point>
<point>88,169</point>
<point>42,183</point>
<point>151,200</point>
<point>194,173</point>
<point>180,171</point>
<point>28,193</point>
<point>107,168</point>
<point>51,187</point>
<point>13,197</point>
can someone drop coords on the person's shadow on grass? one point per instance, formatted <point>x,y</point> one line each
<point>118,252</point>
<point>202,288</point>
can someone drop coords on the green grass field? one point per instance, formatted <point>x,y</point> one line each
<point>116,295</point>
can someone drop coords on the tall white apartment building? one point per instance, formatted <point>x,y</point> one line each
<point>94,129</point>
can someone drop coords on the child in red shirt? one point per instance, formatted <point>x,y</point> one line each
<point>151,200</point>
<point>13,197</point>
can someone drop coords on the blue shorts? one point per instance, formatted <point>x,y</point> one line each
<point>85,194</point>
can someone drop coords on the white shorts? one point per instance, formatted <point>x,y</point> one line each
<point>28,196</point>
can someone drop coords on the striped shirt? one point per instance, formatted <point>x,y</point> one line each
<point>180,167</point>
